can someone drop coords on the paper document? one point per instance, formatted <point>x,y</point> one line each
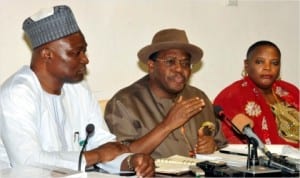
<point>229,159</point>
<point>285,150</point>
<point>177,159</point>
<point>36,172</point>
<point>175,164</point>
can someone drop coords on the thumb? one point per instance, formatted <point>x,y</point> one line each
<point>179,99</point>
<point>200,132</point>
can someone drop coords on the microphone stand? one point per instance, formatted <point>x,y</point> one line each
<point>269,164</point>
<point>89,130</point>
<point>248,166</point>
<point>81,152</point>
<point>252,158</point>
<point>253,168</point>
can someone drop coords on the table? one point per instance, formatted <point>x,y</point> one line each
<point>36,172</point>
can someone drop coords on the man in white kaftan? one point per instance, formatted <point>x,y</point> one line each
<point>45,107</point>
<point>44,129</point>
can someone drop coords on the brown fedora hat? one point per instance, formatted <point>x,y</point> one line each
<point>170,39</point>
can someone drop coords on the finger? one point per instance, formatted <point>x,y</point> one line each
<point>205,141</point>
<point>146,168</point>
<point>147,171</point>
<point>203,149</point>
<point>200,132</point>
<point>141,163</point>
<point>196,100</point>
<point>196,104</point>
<point>179,99</point>
<point>193,107</point>
<point>206,145</point>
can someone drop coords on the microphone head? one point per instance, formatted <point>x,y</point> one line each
<point>90,128</point>
<point>218,110</point>
<point>241,121</point>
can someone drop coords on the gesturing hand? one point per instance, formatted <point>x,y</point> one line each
<point>182,111</point>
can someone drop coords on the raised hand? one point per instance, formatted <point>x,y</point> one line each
<point>182,111</point>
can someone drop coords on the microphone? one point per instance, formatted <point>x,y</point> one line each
<point>242,125</point>
<point>89,130</point>
<point>221,115</point>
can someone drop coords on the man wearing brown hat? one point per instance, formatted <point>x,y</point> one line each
<point>45,107</point>
<point>161,114</point>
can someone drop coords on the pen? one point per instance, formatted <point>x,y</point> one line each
<point>182,130</point>
<point>233,153</point>
<point>127,173</point>
<point>76,136</point>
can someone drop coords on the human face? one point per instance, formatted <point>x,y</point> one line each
<point>69,60</point>
<point>167,78</point>
<point>263,66</point>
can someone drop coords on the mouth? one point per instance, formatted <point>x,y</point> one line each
<point>269,77</point>
<point>179,79</point>
<point>82,70</point>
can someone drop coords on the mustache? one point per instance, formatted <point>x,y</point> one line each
<point>180,75</point>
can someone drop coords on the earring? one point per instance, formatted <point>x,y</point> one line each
<point>279,77</point>
<point>244,73</point>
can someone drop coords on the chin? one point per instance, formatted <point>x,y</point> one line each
<point>76,79</point>
<point>176,90</point>
<point>265,86</point>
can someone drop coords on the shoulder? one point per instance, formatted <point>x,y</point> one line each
<point>286,84</point>
<point>20,90</point>
<point>234,86</point>
<point>285,88</point>
<point>22,83</point>
<point>135,89</point>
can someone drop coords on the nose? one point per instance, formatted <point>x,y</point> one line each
<point>84,59</point>
<point>267,66</point>
<point>178,66</point>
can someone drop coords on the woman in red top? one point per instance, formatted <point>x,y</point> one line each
<point>272,104</point>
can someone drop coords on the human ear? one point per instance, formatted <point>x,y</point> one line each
<point>245,70</point>
<point>246,64</point>
<point>150,64</point>
<point>46,54</point>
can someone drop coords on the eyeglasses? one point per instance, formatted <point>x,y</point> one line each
<point>173,61</point>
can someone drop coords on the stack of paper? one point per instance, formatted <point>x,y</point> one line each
<point>229,159</point>
<point>175,164</point>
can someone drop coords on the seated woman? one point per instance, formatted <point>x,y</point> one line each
<point>271,104</point>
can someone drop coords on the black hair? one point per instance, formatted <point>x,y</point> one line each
<point>154,56</point>
<point>262,43</point>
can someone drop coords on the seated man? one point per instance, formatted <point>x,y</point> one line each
<point>4,161</point>
<point>45,107</point>
<point>161,113</point>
